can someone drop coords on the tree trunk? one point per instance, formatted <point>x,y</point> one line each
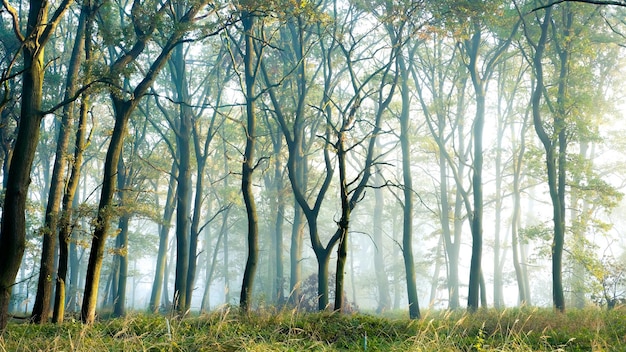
<point>384,299</point>
<point>164,230</point>
<point>206,306</point>
<point>13,228</point>
<point>247,284</point>
<point>554,174</point>
<point>119,303</point>
<point>323,261</point>
<point>65,230</point>
<point>477,187</point>
<point>119,294</point>
<point>277,202</point>
<point>407,223</point>
<point>295,254</point>
<point>123,110</point>
<point>279,284</point>
<point>344,222</point>
<point>72,299</point>
<point>183,211</point>
<point>50,228</point>
<point>498,295</point>
<point>434,287</point>
<point>515,218</point>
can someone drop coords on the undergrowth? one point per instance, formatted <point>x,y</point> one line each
<point>227,330</point>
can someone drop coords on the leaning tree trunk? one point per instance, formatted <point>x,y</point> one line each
<point>123,110</point>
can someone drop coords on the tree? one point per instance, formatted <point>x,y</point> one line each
<point>394,18</point>
<point>384,299</point>
<point>123,108</point>
<point>164,229</point>
<point>561,36</point>
<point>44,285</point>
<point>555,156</point>
<point>251,66</point>
<point>65,222</point>
<point>472,47</point>
<point>39,29</point>
<point>299,131</point>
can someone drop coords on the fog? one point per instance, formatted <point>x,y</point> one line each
<point>328,156</point>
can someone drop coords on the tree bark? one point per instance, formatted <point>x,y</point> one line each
<point>248,21</point>
<point>473,296</point>
<point>164,229</point>
<point>123,110</point>
<point>119,294</point>
<point>39,28</point>
<point>515,218</point>
<point>183,190</point>
<point>382,280</point>
<point>554,167</point>
<point>50,227</point>
<point>65,229</point>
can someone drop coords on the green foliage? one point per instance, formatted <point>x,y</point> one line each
<point>227,330</point>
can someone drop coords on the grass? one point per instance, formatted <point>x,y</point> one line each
<point>226,330</point>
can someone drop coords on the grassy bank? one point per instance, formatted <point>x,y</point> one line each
<point>226,330</point>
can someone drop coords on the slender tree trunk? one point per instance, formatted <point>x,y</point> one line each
<point>498,295</point>
<point>247,285</point>
<point>295,255</point>
<point>552,165</point>
<point>183,211</point>
<point>164,229</point>
<point>477,187</point>
<point>407,224</point>
<point>44,285</point>
<point>384,299</point>
<point>434,287</point>
<point>276,253</point>
<point>67,250</point>
<point>119,294</point>
<point>74,267</point>
<point>206,304</point>
<point>119,302</point>
<point>226,268</point>
<point>166,300</point>
<point>344,222</point>
<point>279,284</point>
<point>516,217</point>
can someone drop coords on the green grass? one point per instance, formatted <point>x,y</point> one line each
<point>226,330</point>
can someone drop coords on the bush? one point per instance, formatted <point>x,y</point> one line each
<point>310,299</point>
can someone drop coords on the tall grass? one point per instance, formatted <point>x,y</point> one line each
<point>226,330</point>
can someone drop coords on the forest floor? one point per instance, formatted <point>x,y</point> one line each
<point>528,329</point>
